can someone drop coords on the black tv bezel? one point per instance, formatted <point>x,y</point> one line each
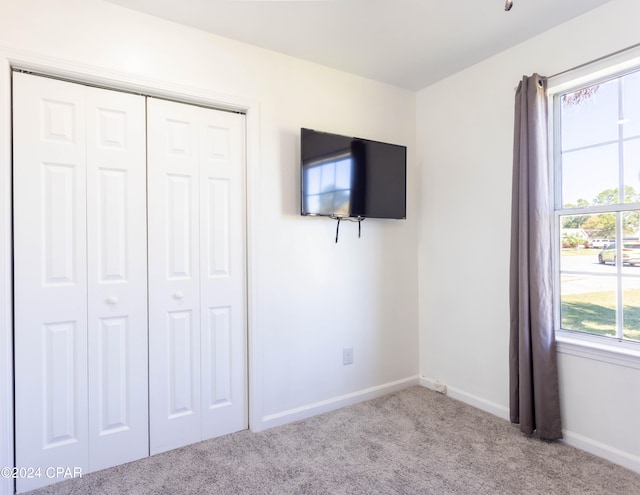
<point>351,216</point>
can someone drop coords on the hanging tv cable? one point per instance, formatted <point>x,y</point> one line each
<point>357,219</point>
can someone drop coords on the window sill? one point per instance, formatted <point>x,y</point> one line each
<point>625,354</point>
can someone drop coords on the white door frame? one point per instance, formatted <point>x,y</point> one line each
<point>128,82</point>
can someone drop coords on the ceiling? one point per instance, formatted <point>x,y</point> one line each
<point>406,43</point>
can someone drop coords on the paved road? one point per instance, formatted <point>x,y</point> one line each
<point>585,274</point>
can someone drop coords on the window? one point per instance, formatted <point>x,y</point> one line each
<point>596,162</point>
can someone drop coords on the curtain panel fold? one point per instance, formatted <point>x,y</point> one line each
<point>533,369</point>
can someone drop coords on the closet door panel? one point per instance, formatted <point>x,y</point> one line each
<point>50,276</point>
<point>117,277</point>
<point>197,274</point>
<point>80,276</point>
<point>223,290</point>
<point>174,275</point>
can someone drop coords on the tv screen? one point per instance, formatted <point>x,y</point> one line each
<point>345,176</point>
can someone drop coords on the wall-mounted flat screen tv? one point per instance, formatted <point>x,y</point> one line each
<point>349,177</point>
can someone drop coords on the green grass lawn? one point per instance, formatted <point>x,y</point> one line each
<point>595,312</point>
<point>579,252</point>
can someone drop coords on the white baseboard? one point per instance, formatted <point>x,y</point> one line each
<point>324,406</point>
<point>617,456</point>
<point>473,400</point>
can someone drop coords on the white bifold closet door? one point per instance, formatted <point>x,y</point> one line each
<point>129,339</point>
<point>197,293</point>
<point>80,271</point>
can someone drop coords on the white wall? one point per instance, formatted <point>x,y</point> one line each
<point>465,136</point>
<point>310,297</point>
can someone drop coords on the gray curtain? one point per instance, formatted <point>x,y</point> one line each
<point>533,369</point>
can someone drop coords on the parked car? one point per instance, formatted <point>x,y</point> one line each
<point>600,243</point>
<point>630,253</point>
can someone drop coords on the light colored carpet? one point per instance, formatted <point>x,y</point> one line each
<point>411,442</point>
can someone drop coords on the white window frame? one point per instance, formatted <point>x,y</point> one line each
<point>605,349</point>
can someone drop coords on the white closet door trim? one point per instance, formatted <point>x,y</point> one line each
<point>6,277</point>
<point>124,81</point>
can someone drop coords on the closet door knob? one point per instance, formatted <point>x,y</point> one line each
<point>112,300</point>
<point>178,295</point>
